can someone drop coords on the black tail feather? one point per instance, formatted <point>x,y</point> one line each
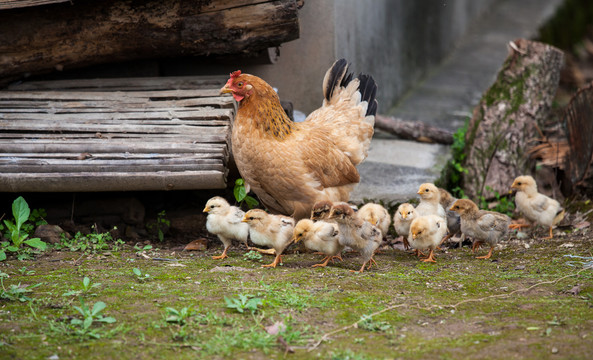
<point>338,76</point>
<point>368,92</point>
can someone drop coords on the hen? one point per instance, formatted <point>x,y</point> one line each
<point>320,236</point>
<point>482,225</point>
<point>291,165</point>
<point>274,231</point>
<point>224,221</point>
<point>536,207</point>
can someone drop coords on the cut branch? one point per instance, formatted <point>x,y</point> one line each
<point>414,130</point>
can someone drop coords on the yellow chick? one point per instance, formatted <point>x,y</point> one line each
<point>402,219</point>
<point>320,210</point>
<point>319,236</point>
<point>274,231</point>
<point>224,221</point>
<point>426,232</point>
<point>376,215</point>
<point>430,198</point>
<point>453,219</point>
<point>482,225</point>
<point>537,208</point>
<point>356,233</point>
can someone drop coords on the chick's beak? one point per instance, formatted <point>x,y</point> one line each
<point>295,239</point>
<point>404,216</point>
<point>206,209</point>
<point>419,192</point>
<point>226,89</point>
<point>414,236</point>
<point>244,219</point>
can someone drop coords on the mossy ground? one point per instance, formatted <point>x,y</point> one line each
<point>425,316</point>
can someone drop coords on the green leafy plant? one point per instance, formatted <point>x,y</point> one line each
<point>24,271</point>
<point>504,203</point>
<point>90,316</point>
<point>179,317</point>
<point>140,250</point>
<point>86,287</point>
<point>452,176</point>
<point>241,196</point>
<point>21,213</point>
<point>15,292</point>
<point>366,322</point>
<point>140,276</point>
<point>90,243</point>
<point>244,302</point>
<point>253,256</point>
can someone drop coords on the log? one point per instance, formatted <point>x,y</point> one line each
<point>67,35</point>
<point>579,127</point>
<point>508,118</point>
<point>414,130</point>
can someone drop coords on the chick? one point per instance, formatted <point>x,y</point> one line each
<point>273,231</point>
<point>356,233</point>
<point>402,219</point>
<point>320,210</point>
<point>319,236</point>
<point>224,221</point>
<point>453,219</point>
<point>537,208</point>
<point>426,232</point>
<point>376,215</point>
<point>482,225</point>
<point>430,198</point>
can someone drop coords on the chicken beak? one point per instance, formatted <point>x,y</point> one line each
<point>295,239</point>
<point>451,209</point>
<point>206,209</point>
<point>225,89</point>
<point>404,216</point>
<point>244,219</point>
<point>419,192</point>
<point>414,236</point>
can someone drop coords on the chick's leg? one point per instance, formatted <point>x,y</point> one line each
<point>551,234</point>
<point>486,256</point>
<point>264,251</point>
<point>223,255</point>
<point>476,245</point>
<point>430,257</point>
<point>276,261</point>
<point>518,226</point>
<point>324,263</point>
<point>406,243</point>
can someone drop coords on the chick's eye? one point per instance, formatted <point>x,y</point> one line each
<point>518,183</point>
<point>251,218</point>
<point>426,190</point>
<point>408,213</point>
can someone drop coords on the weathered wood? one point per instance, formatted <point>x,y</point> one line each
<point>113,181</point>
<point>15,4</point>
<point>579,127</point>
<point>81,33</point>
<point>508,117</point>
<point>130,134</point>
<point>414,130</point>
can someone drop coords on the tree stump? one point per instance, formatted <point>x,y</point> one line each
<point>508,118</point>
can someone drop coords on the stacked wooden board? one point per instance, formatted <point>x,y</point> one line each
<point>168,133</point>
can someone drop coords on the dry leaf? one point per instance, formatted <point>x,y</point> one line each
<point>582,225</point>
<point>197,245</point>
<point>575,290</point>
<point>276,328</point>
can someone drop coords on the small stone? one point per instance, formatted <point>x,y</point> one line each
<point>50,233</point>
<point>520,267</point>
<point>554,350</point>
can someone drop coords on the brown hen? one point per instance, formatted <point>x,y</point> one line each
<point>290,166</point>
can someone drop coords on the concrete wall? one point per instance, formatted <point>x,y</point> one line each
<point>396,41</point>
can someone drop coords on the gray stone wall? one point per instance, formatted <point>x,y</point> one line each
<point>397,41</point>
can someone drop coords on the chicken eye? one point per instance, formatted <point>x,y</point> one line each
<point>425,190</point>
<point>251,218</point>
<point>240,84</point>
<point>519,183</point>
<point>409,212</point>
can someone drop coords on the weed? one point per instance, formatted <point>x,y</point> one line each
<point>140,250</point>
<point>347,355</point>
<point>244,302</point>
<point>161,225</point>
<point>140,276</point>
<point>452,175</point>
<point>15,292</point>
<point>24,271</point>
<point>83,327</point>
<point>503,203</point>
<point>241,196</point>
<point>21,213</point>
<point>366,322</point>
<point>85,289</point>
<point>179,317</point>
<point>90,243</point>
<point>253,256</point>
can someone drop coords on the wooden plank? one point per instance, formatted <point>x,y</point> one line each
<point>112,181</point>
<point>15,4</point>
<point>42,106</point>
<point>200,131</point>
<point>111,95</point>
<point>4,157</point>
<point>206,115</point>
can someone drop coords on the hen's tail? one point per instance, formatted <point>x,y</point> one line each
<point>337,77</point>
<point>348,110</point>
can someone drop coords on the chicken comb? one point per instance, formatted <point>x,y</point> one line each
<point>235,74</point>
